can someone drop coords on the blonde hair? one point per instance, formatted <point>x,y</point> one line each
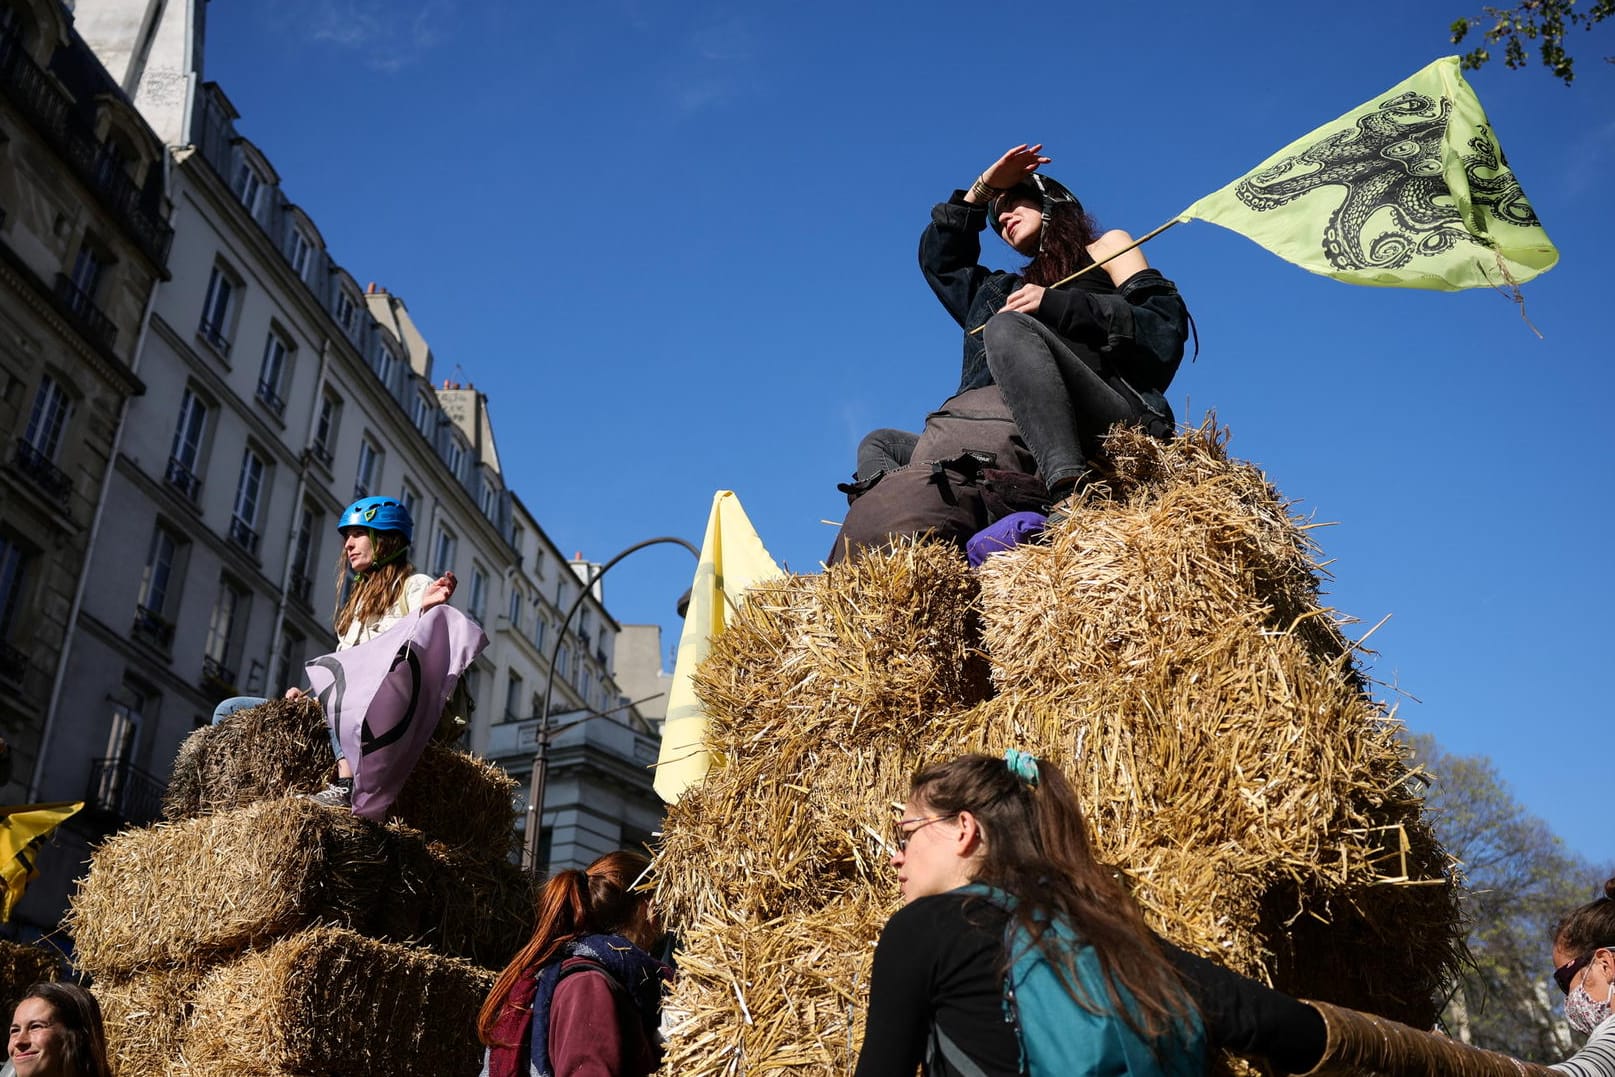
<point>371,594</point>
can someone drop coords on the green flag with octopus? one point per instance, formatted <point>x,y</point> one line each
<point>1409,190</point>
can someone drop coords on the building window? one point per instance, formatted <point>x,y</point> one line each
<point>325,429</point>
<point>423,414</point>
<point>248,186</point>
<point>538,563</point>
<point>272,373</point>
<point>386,363</point>
<point>309,525</point>
<point>539,622</point>
<point>368,477</point>
<point>88,269</point>
<point>293,648</point>
<point>218,308</point>
<point>513,697</point>
<point>186,451</point>
<point>516,603</point>
<point>250,492</point>
<point>454,456</point>
<point>224,632</point>
<point>443,551</point>
<point>13,574</point>
<point>408,498</point>
<point>47,419</point>
<point>347,309</point>
<point>479,593</point>
<point>490,499</point>
<point>299,251</point>
<point>151,623</point>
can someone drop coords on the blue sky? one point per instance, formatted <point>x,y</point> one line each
<point>675,244</point>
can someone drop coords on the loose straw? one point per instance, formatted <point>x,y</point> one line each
<point>1067,280</point>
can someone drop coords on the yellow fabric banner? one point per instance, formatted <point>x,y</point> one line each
<point>1408,190</point>
<point>732,559</point>
<point>22,831</point>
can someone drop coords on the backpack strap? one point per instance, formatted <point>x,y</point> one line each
<point>944,1058</point>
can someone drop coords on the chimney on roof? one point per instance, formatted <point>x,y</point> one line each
<point>371,290</point>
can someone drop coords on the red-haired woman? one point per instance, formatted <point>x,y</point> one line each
<point>584,995</point>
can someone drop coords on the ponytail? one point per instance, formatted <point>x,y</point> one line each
<point>597,900</point>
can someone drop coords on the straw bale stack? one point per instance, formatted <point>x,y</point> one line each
<point>1166,647</point>
<point>329,1000</point>
<point>282,748</point>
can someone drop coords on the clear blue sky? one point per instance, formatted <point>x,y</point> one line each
<point>675,244</point>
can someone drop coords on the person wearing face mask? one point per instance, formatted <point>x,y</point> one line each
<point>1584,969</point>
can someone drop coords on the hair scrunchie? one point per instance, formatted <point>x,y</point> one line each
<point>1022,764</point>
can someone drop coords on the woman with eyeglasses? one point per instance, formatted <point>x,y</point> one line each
<point>1584,969</point>
<point>1001,888</point>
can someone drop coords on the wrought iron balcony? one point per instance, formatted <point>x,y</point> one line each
<point>271,399</point>
<point>360,490</point>
<point>37,96</point>
<point>82,310</point>
<point>320,452</point>
<point>216,677</point>
<point>123,794</point>
<point>242,534</point>
<point>153,628</point>
<point>214,335</point>
<point>182,479</point>
<point>37,469</point>
<point>13,665</point>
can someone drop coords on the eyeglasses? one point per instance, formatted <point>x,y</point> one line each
<point>1564,974</point>
<point>902,836</point>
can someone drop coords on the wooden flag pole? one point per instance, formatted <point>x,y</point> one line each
<point>1136,243</point>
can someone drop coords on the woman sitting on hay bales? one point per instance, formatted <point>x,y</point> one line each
<point>1071,359</point>
<point>1016,946</point>
<point>382,590</point>
<point>584,995</point>
<point>1584,969</point>
<point>56,1032</point>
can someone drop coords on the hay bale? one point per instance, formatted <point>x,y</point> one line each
<point>459,904</point>
<point>1167,648</point>
<point>186,894</point>
<point>282,748</point>
<point>145,1018</point>
<point>22,966</point>
<point>327,1000</point>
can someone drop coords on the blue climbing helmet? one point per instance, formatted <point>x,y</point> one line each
<point>378,514</point>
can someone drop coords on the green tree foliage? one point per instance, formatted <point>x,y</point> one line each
<point>1520,881</point>
<point>1546,21</point>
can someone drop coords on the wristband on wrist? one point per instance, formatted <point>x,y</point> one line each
<point>984,192</point>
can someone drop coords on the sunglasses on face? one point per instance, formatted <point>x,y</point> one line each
<point>1564,974</point>
<point>901,836</point>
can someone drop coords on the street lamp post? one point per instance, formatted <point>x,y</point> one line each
<point>541,755</point>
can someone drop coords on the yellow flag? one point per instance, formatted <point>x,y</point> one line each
<point>22,831</point>
<point>732,559</point>
<point>1409,190</point>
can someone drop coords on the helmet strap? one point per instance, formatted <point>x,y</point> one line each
<point>375,540</point>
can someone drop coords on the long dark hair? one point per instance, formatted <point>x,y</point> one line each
<point>1590,927</point>
<point>84,1042</point>
<point>371,594</point>
<point>1035,847</point>
<point>1065,240</point>
<point>597,900</point>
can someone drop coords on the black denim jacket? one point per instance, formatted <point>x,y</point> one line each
<point>1139,328</point>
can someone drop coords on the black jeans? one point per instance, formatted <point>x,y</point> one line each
<point>884,450</point>
<point>1060,402</point>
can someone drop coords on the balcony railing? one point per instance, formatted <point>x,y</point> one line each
<point>242,534</point>
<point>36,95</point>
<point>320,452</point>
<point>302,589</point>
<point>182,479</point>
<point>122,791</point>
<point>82,310</point>
<point>153,628</point>
<point>214,335</point>
<point>37,469</point>
<point>271,399</point>
<point>217,677</point>
<point>13,665</point>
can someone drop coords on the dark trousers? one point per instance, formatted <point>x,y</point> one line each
<point>884,450</point>
<point>1060,403</point>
